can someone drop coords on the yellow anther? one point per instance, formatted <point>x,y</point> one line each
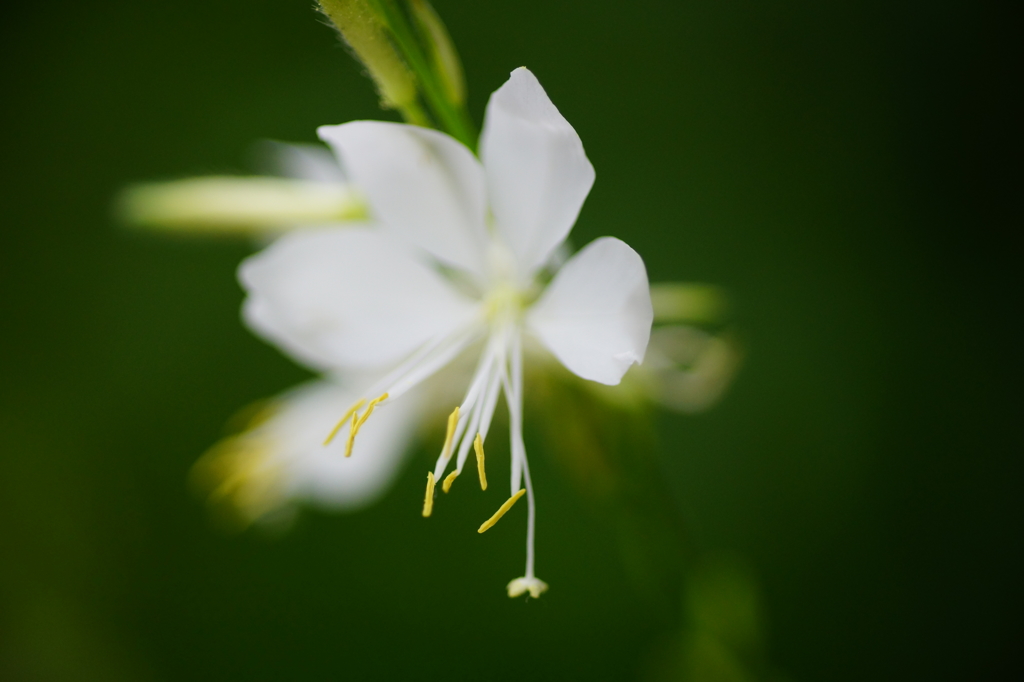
<point>448,480</point>
<point>501,511</point>
<point>341,422</point>
<point>428,501</point>
<point>351,435</point>
<point>478,446</point>
<point>358,423</point>
<point>369,410</point>
<point>453,420</point>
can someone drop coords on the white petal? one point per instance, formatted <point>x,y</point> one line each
<point>422,185</point>
<point>324,473</point>
<point>537,173</point>
<point>596,314</point>
<point>351,298</point>
<point>281,459</point>
<point>304,161</point>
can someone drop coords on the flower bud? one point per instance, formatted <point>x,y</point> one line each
<point>234,205</point>
<point>363,31</point>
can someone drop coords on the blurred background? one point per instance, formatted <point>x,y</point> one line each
<point>844,169</point>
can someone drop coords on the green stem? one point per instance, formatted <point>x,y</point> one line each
<point>454,119</point>
<point>414,113</point>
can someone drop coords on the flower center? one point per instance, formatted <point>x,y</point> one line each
<point>503,304</point>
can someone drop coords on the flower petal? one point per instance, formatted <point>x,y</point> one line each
<point>596,314</point>
<point>348,298</point>
<point>323,473</point>
<point>303,161</point>
<point>423,186</point>
<point>537,173</point>
<point>281,458</point>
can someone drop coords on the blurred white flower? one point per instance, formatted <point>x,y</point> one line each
<point>687,369</point>
<point>453,263</point>
<point>279,458</point>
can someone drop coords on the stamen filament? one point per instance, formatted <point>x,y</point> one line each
<point>468,420</point>
<point>501,510</point>
<point>448,480</point>
<point>341,422</point>
<point>490,402</point>
<point>430,358</point>
<point>428,501</point>
<point>478,446</point>
<point>473,403</point>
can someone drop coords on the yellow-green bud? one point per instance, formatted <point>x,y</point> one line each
<point>362,29</point>
<point>233,205</point>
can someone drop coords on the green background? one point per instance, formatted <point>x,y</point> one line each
<point>842,168</point>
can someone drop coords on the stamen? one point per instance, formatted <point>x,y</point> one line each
<point>351,435</point>
<point>448,480</point>
<point>358,424</point>
<point>453,420</point>
<point>427,360</point>
<point>428,501</point>
<point>472,407</point>
<point>341,422</point>
<point>478,446</point>
<point>501,510</point>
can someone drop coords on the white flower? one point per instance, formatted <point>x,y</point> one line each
<point>455,262</point>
